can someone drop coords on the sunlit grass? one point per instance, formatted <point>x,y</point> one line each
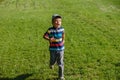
<point>92,39</point>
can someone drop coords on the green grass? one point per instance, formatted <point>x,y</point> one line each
<point>92,48</point>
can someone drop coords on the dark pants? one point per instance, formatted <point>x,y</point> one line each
<point>57,56</point>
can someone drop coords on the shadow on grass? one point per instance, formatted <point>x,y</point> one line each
<point>52,79</point>
<point>117,70</point>
<point>20,77</point>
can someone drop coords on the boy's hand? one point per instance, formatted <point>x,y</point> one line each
<point>52,39</point>
<point>63,41</point>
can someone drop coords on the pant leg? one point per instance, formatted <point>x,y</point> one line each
<point>53,57</point>
<point>60,63</point>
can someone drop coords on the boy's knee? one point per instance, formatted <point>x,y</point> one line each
<point>61,65</point>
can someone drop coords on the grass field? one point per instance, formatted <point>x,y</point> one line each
<point>92,47</point>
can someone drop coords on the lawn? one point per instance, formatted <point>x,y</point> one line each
<point>92,44</point>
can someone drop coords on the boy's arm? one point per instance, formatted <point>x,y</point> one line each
<point>63,37</point>
<point>46,36</point>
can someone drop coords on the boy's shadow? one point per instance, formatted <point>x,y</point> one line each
<point>52,79</point>
<point>20,77</point>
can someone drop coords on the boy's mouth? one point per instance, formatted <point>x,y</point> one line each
<point>57,24</point>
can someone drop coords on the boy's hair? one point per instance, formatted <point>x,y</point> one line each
<point>55,16</point>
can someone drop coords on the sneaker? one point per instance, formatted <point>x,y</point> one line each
<point>51,67</point>
<point>61,78</point>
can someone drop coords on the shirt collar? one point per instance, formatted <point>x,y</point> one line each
<point>56,28</point>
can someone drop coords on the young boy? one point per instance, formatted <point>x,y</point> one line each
<point>56,36</point>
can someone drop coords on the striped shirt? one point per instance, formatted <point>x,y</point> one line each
<point>57,34</point>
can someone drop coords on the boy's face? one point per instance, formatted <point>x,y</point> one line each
<point>57,22</point>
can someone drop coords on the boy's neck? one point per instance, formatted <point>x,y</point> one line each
<point>57,27</point>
